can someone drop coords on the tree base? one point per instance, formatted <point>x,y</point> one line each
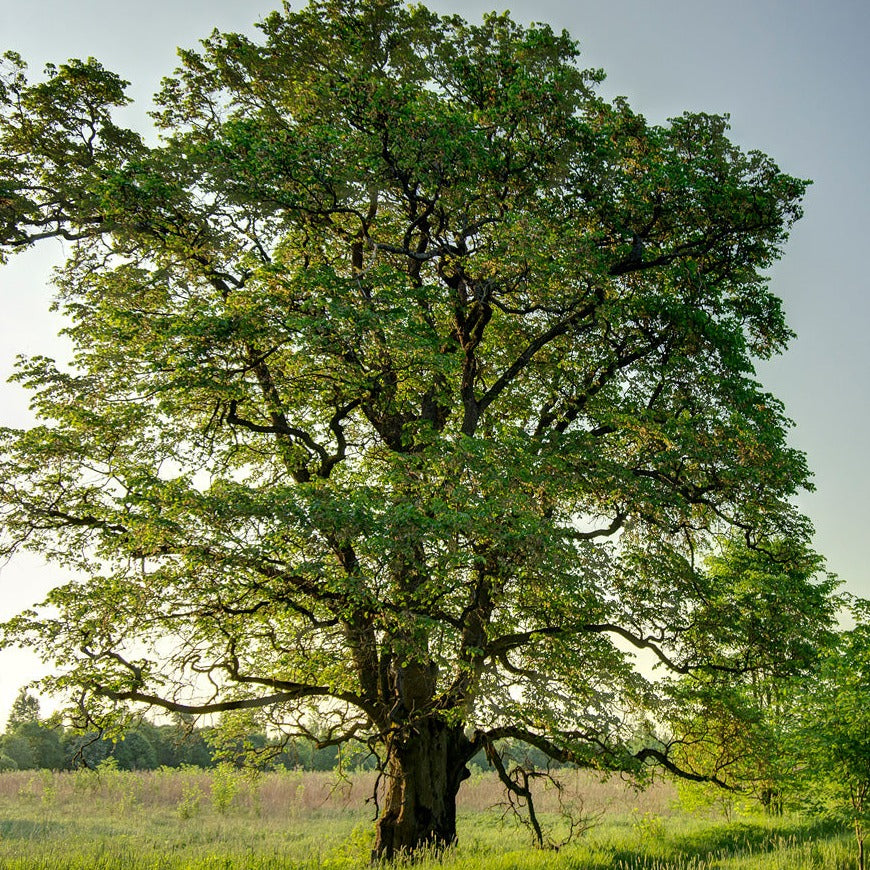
<point>426,764</point>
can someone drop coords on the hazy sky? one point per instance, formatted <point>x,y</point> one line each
<point>794,76</point>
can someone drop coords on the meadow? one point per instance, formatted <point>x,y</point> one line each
<point>227,820</point>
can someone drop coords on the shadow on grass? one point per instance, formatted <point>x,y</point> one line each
<point>731,840</point>
<point>32,829</point>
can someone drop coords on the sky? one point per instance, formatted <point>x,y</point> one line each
<point>792,74</point>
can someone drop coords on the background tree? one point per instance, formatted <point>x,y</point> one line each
<point>833,740</point>
<point>25,708</point>
<point>18,750</point>
<point>412,381</point>
<point>84,749</point>
<point>135,751</point>
<point>738,722</point>
<point>180,742</point>
<point>28,740</point>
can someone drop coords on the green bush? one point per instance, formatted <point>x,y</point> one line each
<point>225,785</point>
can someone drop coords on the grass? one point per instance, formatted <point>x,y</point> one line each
<point>223,820</point>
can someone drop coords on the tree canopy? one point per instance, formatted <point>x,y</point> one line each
<point>25,708</point>
<point>413,383</point>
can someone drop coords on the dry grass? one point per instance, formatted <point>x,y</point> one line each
<point>289,794</point>
<point>598,794</point>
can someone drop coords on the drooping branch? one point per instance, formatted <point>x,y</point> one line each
<point>604,754</point>
<point>517,784</point>
<point>498,647</point>
<point>665,761</point>
<point>289,690</point>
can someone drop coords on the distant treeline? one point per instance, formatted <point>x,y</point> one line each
<point>31,742</point>
<point>147,746</point>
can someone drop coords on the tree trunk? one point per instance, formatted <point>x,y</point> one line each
<point>771,800</point>
<point>425,767</point>
<point>859,833</point>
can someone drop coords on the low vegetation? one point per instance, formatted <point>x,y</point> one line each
<point>225,818</point>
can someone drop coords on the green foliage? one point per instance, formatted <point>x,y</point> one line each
<point>181,743</point>
<point>25,708</point>
<point>734,723</point>
<point>147,746</point>
<point>144,746</point>
<point>20,750</point>
<point>33,745</point>
<point>225,785</point>
<point>135,752</point>
<point>86,750</point>
<point>45,743</point>
<point>29,742</point>
<point>833,740</point>
<point>412,382</point>
<point>191,800</point>
<point>84,830</point>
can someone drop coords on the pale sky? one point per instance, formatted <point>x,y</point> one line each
<point>794,76</point>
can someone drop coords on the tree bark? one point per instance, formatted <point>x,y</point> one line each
<point>426,764</point>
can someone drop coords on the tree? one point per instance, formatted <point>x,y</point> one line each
<point>135,751</point>
<point>412,380</point>
<point>739,724</point>
<point>179,743</point>
<point>18,748</point>
<point>25,708</point>
<point>833,740</point>
<point>84,749</point>
<point>29,741</point>
<point>45,744</point>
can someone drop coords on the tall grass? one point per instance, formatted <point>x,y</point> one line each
<point>227,820</point>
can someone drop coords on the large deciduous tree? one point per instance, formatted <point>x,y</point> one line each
<point>412,379</point>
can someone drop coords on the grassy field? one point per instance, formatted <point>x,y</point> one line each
<point>175,820</point>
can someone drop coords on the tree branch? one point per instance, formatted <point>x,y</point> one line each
<point>528,354</point>
<point>214,706</point>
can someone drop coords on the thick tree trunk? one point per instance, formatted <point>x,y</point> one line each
<point>425,767</point>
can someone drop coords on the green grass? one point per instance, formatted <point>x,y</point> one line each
<point>190,820</point>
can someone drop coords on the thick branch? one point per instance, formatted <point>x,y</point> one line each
<point>612,529</point>
<point>566,755</point>
<point>501,645</point>
<point>216,706</point>
<point>513,785</point>
<point>528,354</point>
